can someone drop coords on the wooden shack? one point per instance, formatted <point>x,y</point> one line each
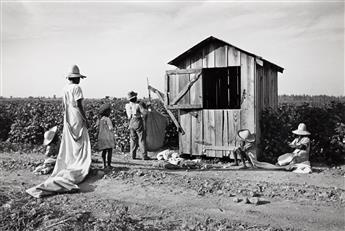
<point>218,89</point>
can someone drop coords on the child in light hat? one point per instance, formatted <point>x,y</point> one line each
<point>51,140</point>
<point>246,148</point>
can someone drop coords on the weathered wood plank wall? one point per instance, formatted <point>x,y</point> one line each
<point>247,86</point>
<point>259,102</point>
<point>219,127</point>
<point>185,139</point>
<point>196,98</point>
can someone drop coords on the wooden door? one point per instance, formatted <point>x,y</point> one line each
<point>184,89</point>
<point>191,121</point>
<point>220,131</point>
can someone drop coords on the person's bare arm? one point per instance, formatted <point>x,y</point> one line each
<point>47,150</point>
<point>81,109</point>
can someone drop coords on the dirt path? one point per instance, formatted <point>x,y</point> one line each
<point>180,200</point>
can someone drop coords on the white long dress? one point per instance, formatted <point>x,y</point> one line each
<point>74,158</point>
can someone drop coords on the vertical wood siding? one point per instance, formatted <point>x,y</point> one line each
<point>185,140</point>
<point>247,85</point>
<point>219,127</point>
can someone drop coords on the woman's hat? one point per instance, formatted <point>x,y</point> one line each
<point>301,130</point>
<point>75,73</point>
<point>245,135</point>
<point>104,108</point>
<point>49,135</point>
<point>132,95</point>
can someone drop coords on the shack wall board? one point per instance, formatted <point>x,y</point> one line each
<point>269,87</point>
<point>259,102</point>
<point>220,128</point>
<point>248,91</point>
<point>196,132</point>
<point>186,138</point>
<point>213,55</point>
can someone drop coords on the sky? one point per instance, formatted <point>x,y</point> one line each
<point>119,45</point>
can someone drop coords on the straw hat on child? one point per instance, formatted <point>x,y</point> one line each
<point>301,130</point>
<point>49,135</point>
<point>245,135</point>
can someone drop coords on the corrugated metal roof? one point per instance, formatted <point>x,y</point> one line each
<point>210,39</point>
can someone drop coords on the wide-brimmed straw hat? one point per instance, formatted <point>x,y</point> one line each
<point>132,95</point>
<point>49,135</point>
<point>104,108</point>
<point>75,73</point>
<point>301,130</point>
<point>285,159</point>
<point>245,135</point>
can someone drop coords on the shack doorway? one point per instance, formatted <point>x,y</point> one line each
<point>221,87</point>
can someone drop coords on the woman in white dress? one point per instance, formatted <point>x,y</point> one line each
<point>74,158</point>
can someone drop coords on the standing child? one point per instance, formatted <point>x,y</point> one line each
<point>106,138</point>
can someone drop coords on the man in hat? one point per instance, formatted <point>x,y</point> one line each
<point>247,146</point>
<point>136,115</point>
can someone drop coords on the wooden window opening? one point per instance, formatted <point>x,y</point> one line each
<point>221,88</point>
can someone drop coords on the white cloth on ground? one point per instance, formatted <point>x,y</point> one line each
<point>303,167</point>
<point>170,156</point>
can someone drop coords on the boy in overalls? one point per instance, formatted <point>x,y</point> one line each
<point>136,115</point>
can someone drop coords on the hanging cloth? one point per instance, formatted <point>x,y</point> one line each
<point>155,130</point>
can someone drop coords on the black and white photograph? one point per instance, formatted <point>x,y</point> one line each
<point>186,115</point>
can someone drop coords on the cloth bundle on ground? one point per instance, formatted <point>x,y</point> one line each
<point>155,130</point>
<point>170,159</point>
<point>46,167</point>
<point>170,156</point>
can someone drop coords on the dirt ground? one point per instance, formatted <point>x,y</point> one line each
<point>136,195</point>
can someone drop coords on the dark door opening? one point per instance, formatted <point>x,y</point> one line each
<point>221,88</point>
